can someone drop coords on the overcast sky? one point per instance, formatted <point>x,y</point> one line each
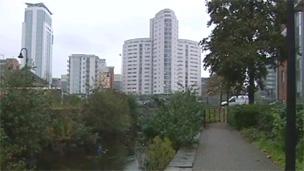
<point>99,26</point>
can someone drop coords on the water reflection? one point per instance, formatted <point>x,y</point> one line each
<point>87,158</point>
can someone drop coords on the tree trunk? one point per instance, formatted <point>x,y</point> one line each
<point>227,98</point>
<point>221,97</point>
<point>251,87</point>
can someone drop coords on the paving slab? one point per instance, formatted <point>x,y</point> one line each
<point>183,160</point>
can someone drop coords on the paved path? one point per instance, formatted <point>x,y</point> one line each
<point>223,148</point>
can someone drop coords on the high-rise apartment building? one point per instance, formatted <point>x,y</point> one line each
<point>187,65</point>
<point>137,66</point>
<point>164,35</point>
<point>162,63</point>
<point>83,73</point>
<point>37,38</point>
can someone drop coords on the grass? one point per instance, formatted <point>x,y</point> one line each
<point>272,148</point>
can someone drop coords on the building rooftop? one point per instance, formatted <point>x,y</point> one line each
<point>38,5</point>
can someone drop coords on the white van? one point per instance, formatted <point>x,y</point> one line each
<point>237,100</point>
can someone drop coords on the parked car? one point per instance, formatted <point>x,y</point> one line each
<point>236,100</point>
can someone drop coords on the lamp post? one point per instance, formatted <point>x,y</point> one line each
<point>290,153</point>
<point>26,57</point>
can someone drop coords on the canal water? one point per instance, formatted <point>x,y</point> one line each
<point>114,156</point>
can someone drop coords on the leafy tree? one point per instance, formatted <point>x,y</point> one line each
<point>246,37</point>
<point>67,127</point>
<point>72,100</point>
<point>107,111</point>
<point>24,119</point>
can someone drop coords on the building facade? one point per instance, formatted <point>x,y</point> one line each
<point>187,73</point>
<point>37,38</point>
<point>8,64</point>
<point>105,78</point>
<point>270,90</point>
<point>117,84</point>
<point>137,66</point>
<point>64,83</point>
<point>162,63</point>
<point>164,36</point>
<point>83,73</point>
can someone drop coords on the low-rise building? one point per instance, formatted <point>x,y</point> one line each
<point>106,78</point>
<point>117,84</point>
<point>8,64</point>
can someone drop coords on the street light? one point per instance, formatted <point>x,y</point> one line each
<point>21,56</point>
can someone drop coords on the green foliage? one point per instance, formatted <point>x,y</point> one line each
<point>179,118</point>
<point>159,154</point>
<point>268,128</point>
<point>300,150</point>
<point>63,101</point>
<point>107,111</point>
<point>300,133</point>
<point>245,39</point>
<point>72,100</point>
<point>244,116</point>
<point>24,119</point>
<point>271,148</point>
<point>33,120</point>
<point>251,134</point>
<point>67,128</point>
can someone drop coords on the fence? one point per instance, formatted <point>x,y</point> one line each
<point>214,114</point>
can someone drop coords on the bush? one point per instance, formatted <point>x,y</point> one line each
<point>159,154</point>
<point>23,122</point>
<point>266,125</point>
<point>300,150</point>
<point>67,127</point>
<point>179,119</point>
<point>300,123</point>
<point>251,134</point>
<point>107,111</point>
<point>245,116</point>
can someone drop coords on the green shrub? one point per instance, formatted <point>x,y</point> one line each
<point>107,111</point>
<point>300,123</point>
<point>160,153</point>
<point>24,117</point>
<point>300,138</point>
<point>244,116</point>
<point>300,150</point>
<point>251,134</point>
<point>179,119</point>
<point>266,125</point>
